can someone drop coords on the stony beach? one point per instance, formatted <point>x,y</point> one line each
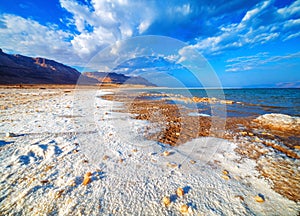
<point>66,151</point>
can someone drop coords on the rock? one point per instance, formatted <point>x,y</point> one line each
<point>87,178</point>
<point>166,153</point>
<point>297,147</point>
<point>172,165</point>
<point>225,172</point>
<point>167,201</point>
<point>259,198</point>
<point>226,177</point>
<point>279,122</point>
<point>105,157</point>
<point>44,181</point>
<point>58,194</point>
<point>8,134</point>
<point>192,161</point>
<point>184,209</point>
<point>179,192</point>
<point>244,133</point>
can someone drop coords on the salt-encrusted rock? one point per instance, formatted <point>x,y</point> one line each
<point>9,134</point>
<point>225,172</point>
<point>87,178</point>
<point>259,198</point>
<point>192,161</point>
<point>280,122</point>
<point>184,208</point>
<point>105,157</point>
<point>172,165</point>
<point>226,177</point>
<point>167,201</point>
<point>179,192</point>
<point>166,153</point>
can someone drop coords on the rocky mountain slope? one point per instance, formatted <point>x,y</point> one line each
<point>104,77</point>
<point>19,69</point>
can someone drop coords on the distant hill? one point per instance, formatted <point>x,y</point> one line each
<point>104,77</point>
<point>19,69</point>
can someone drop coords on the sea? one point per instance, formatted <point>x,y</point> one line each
<point>247,102</point>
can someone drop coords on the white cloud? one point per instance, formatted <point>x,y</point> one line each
<point>292,9</point>
<point>100,23</point>
<point>259,60</point>
<point>110,21</point>
<point>261,24</point>
<point>28,37</point>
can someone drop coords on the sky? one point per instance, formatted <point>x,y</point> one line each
<point>247,43</point>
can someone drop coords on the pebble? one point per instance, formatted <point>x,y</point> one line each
<point>180,192</point>
<point>259,198</point>
<point>225,172</point>
<point>172,165</point>
<point>167,201</point>
<point>192,161</point>
<point>166,153</point>
<point>9,134</point>
<point>226,177</point>
<point>105,157</point>
<point>87,178</point>
<point>184,209</point>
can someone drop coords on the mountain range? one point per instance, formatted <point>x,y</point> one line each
<point>19,69</point>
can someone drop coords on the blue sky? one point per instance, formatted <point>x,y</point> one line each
<point>247,43</point>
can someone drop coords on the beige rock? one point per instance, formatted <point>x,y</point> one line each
<point>105,157</point>
<point>179,192</point>
<point>9,134</point>
<point>167,201</point>
<point>166,153</point>
<point>87,178</point>
<point>259,198</point>
<point>172,165</point>
<point>184,209</point>
<point>225,172</point>
<point>192,161</point>
<point>226,177</point>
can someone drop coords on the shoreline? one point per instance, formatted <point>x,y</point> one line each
<point>50,156</point>
<point>253,138</point>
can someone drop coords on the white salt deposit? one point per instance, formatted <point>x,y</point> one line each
<point>43,167</point>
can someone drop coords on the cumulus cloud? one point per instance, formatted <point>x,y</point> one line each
<point>28,37</point>
<point>261,24</point>
<point>102,23</point>
<point>90,26</point>
<point>245,63</point>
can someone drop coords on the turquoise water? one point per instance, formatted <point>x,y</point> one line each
<point>252,102</point>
